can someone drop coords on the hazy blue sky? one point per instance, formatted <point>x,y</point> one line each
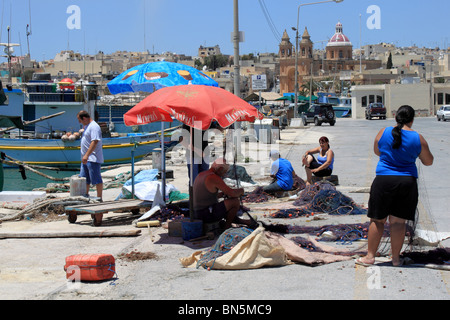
<point>181,26</point>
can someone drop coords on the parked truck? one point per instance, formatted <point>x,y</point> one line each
<point>375,110</point>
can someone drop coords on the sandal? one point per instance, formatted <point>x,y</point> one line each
<point>361,263</point>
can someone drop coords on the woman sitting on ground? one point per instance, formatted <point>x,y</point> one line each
<point>321,167</point>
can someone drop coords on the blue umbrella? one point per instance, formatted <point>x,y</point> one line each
<point>152,76</point>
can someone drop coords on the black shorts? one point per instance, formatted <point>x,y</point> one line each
<point>322,173</point>
<point>214,213</point>
<point>393,195</point>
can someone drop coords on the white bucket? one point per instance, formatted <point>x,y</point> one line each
<point>156,159</point>
<point>77,186</point>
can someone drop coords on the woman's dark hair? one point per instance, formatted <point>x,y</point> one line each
<point>405,114</point>
<point>324,139</point>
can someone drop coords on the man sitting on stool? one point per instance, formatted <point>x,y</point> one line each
<point>282,172</point>
<point>206,197</point>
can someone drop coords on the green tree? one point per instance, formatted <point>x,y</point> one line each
<point>389,61</point>
<point>215,61</point>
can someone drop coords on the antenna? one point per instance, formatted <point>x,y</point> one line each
<point>29,29</point>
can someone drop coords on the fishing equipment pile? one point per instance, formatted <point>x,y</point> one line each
<point>321,197</point>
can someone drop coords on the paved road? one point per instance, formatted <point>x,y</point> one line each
<point>33,269</point>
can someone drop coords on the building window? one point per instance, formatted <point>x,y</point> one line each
<point>379,99</point>
<point>364,101</point>
<point>440,98</point>
<point>447,98</point>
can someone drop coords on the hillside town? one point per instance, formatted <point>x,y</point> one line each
<point>379,72</point>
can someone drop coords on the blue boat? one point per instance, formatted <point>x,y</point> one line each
<point>60,153</point>
<point>342,107</point>
<point>40,143</point>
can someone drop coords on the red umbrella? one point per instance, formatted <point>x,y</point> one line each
<point>194,105</point>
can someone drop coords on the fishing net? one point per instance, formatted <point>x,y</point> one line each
<point>439,256</point>
<point>325,200</point>
<point>344,233</point>
<point>418,253</point>
<point>309,192</point>
<point>258,195</point>
<point>227,240</point>
<point>170,212</point>
<point>299,183</point>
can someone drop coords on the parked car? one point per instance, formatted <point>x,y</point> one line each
<point>318,114</point>
<point>375,110</point>
<point>443,113</point>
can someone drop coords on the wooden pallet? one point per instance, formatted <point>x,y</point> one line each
<point>96,210</point>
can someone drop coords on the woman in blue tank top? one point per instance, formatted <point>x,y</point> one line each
<point>394,192</point>
<point>321,167</point>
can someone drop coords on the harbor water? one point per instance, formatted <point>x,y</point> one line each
<point>15,182</point>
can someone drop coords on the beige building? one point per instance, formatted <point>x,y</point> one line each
<point>425,98</point>
<point>55,68</point>
<point>204,52</point>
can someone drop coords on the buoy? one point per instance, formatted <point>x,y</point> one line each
<point>90,267</point>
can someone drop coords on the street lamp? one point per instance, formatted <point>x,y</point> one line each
<point>296,50</point>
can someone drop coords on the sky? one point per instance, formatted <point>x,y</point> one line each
<point>181,26</point>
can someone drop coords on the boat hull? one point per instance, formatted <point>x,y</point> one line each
<point>342,112</point>
<point>59,153</point>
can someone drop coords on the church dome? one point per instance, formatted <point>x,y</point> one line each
<point>339,38</point>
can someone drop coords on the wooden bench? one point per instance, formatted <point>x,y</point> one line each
<point>332,179</point>
<point>98,209</point>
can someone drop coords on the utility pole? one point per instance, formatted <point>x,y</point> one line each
<point>236,39</point>
<point>237,77</point>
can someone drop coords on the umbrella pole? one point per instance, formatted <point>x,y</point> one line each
<point>132,173</point>
<point>191,183</point>
<point>163,164</point>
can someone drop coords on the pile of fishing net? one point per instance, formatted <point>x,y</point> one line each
<point>309,192</point>
<point>343,233</point>
<point>258,195</point>
<point>313,246</point>
<point>170,212</point>
<point>242,248</point>
<point>321,197</point>
<point>227,241</point>
<point>439,256</point>
<point>299,183</point>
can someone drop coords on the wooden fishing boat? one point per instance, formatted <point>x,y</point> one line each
<point>60,153</point>
<point>41,144</point>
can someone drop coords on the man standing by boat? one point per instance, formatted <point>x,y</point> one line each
<point>91,153</point>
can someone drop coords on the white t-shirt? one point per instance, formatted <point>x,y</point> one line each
<point>92,132</point>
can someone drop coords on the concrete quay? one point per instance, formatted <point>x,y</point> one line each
<point>33,268</point>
